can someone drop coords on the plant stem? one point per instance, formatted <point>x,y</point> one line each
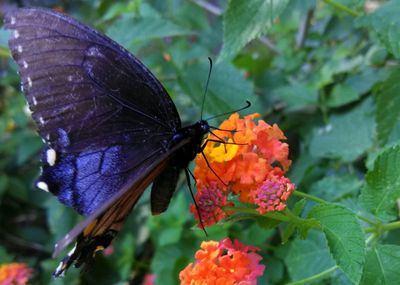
<point>390,226</point>
<point>342,7</point>
<point>272,215</point>
<point>314,277</point>
<point>368,221</point>
<point>370,239</point>
<point>309,197</point>
<point>321,201</point>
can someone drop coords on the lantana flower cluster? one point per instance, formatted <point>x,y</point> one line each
<point>15,274</point>
<point>245,158</point>
<point>224,263</point>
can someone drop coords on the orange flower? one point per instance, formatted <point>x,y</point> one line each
<point>14,274</point>
<point>246,155</point>
<point>223,263</point>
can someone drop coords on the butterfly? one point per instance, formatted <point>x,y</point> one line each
<point>110,128</point>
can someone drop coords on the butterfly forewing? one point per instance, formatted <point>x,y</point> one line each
<point>102,113</point>
<point>83,83</point>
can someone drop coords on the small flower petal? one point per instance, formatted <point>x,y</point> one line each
<point>223,263</point>
<point>15,274</point>
<point>273,194</point>
<point>210,201</point>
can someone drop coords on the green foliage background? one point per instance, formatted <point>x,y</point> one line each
<point>326,71</point>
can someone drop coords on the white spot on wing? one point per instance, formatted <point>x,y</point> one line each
<point>29,81</point>
<point>48,137</point>
<point>69,78</point>
<point>27,110</point>
<point>12,20</point>
<point>71,252</point>
<point>51,156</point>
<point>61,266</point>
<point>25,64</point>
<point>43,186</point>
<point>41,120</point>
<point>19,48</point>
<point>34,101</point>
<point>16,34</point>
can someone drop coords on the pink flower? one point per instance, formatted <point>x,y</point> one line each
<point>149,279</point>
<point>210,201</point>
<point>273,194</point>
<point>15,274</point>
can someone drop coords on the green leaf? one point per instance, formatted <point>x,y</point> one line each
<point>164,262</point>
<point>385,24</point>
<point>3,184</point>
<point>309,257</point>
<point>5,257</point>
<point>167,228</point>
<point>26,151</point>
<point>291,227</point>
<point>126,255</point>
<point>346,136</point>
<point>4,36</point>
<point>130,31</point>
<point>339,63</point>
<point>388,106</point>
<point>382,186</point>
<point>254,234</point>
<point>382,265</point>
<point>334,188</point>
<point>342,94</point>
<point>297,95</point>
<point>246,20</point>
<point>60,218</point>
<point>266,223</point>
<point>228,89</point>
<point>345,237</point>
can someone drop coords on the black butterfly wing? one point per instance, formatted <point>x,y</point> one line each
<point>103,115</point>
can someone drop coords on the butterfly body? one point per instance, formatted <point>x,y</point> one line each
<point>109,126</point>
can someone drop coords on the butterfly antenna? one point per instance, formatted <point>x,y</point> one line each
<point>205,91</point>
<point>231,112</point>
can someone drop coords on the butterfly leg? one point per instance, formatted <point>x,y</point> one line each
<point>187,174</point>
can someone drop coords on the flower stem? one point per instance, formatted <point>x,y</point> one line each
<point>342,7</point>
<point>272,215</point>
<point>314,277</point>
<point>370,238</point>
<point>391,226</point>
<point>321,201</point>
<point>368,221</point>
<point>4,52</point>
<point>309,197</point>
